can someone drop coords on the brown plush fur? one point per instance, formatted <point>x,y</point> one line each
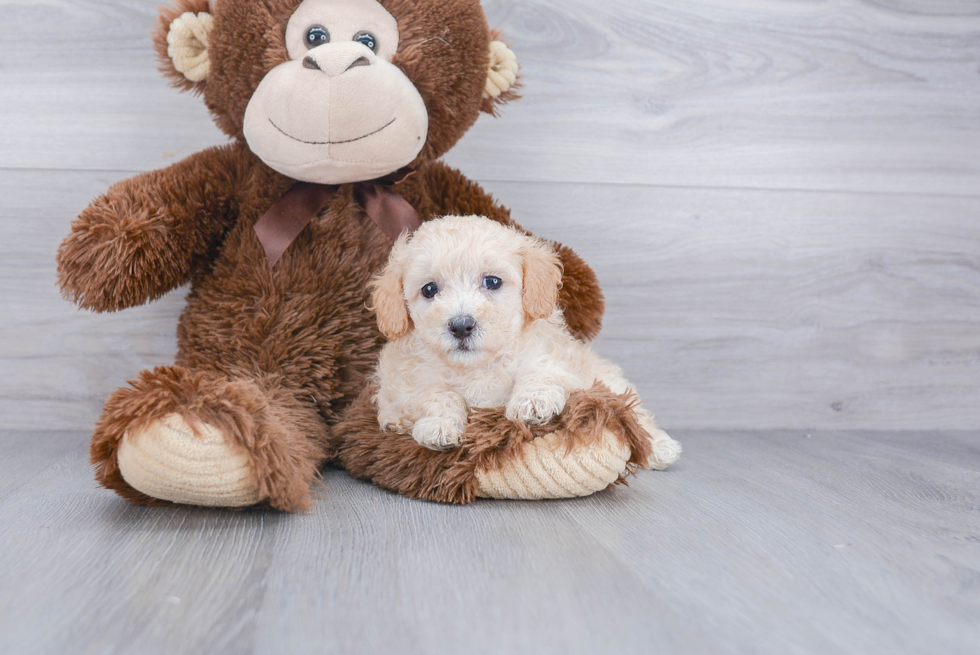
<point>397,462</point>
<point>284,442</point>
<point>273,356</point>
<point>444,46</point>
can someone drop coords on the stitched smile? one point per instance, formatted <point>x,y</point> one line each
<point>332,143</point>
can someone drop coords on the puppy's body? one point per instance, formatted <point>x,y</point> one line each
<point>477,343</point>
<point>544,353</point>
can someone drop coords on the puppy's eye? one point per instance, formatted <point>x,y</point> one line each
<point>317,36</point>
<point>430,290</point>
<point>492,283</point>
<point>367,40</point>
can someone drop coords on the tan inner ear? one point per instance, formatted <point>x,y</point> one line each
<point>503,70</point>
<point>188,45</point>
<point>388,296</point>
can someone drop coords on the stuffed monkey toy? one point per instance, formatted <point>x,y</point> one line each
<point>337,113</point>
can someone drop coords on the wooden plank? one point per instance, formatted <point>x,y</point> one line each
<point>28,454</point>
<point>455,579</point>
<point>848,95</point>
<point>859,544</point>
<point>85,572</point>
<point>764,542</point>
<point>774,310</point>
<point>795,95</point>
<point>728,309</point>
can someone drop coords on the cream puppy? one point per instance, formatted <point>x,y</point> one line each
<point>469,308</point>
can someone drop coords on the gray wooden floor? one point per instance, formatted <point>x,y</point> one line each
<point>782,200</point>
<point>758,542</point>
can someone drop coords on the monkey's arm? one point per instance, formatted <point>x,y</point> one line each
<point>149,234</point>
<point>443,191</point>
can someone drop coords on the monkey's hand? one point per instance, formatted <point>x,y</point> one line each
<point>148,234</point>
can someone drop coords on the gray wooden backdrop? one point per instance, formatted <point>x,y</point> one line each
<point>782,198</point>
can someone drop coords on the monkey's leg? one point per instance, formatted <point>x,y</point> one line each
<point>195,438</point>
<point>595,442</point>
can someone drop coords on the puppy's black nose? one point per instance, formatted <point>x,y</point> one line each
<point>462,326</point>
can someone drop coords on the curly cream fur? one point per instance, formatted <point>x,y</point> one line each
<point>502,75</point>
<point>188,41</point>
<point>518,355</point>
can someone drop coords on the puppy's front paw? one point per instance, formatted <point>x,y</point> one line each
<point>536,405</point>
<point>438,433</point>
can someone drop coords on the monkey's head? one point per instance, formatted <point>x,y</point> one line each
<point>338,91</point>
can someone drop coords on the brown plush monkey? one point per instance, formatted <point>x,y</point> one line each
<point>276,343</point>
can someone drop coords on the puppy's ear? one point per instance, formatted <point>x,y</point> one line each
<point>542,278</point>
<point>388,298</point>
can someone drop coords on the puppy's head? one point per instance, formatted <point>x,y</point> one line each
<point>467,285</point>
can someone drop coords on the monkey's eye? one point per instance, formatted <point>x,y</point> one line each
<point>367,40</point>
<point>492,283</point>
<point>317,36</point>
<point>430,290</point>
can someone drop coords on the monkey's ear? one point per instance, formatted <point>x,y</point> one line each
<point>182,41</point>
<point>503,79</point>
<point>388,299</point>
<point>542,278</point>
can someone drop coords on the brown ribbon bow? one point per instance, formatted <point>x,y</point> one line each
<point>297,208</point>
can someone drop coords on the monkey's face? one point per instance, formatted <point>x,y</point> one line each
<point>338,111</point>
<point>337,91</point>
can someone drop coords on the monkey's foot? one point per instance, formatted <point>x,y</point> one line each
<point>545,470</point>
<point>169,460</point>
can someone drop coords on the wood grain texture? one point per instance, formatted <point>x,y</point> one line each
<point>729,309</point>
<point>781,200</point>
<point>844,95</point>
<point>763,542</point>
<point>788,309</point>
<point>755,93</point>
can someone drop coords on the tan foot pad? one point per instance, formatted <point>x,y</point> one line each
<point>167,460</point>
<point>545,471</point>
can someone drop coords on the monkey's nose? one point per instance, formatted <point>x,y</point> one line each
<point>361,61</point>
<point>462,326</point>
<point>334,60</point>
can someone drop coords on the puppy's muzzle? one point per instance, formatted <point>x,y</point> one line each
<point>462,327</point>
